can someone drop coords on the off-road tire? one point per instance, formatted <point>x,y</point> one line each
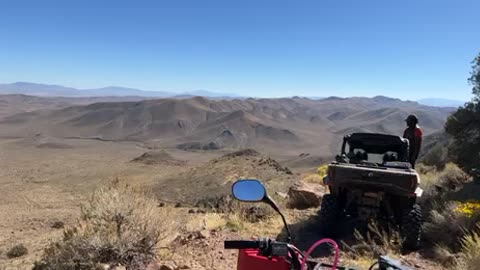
<point>329,215</point>
<point>411,228</point>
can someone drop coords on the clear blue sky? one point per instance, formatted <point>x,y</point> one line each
<point>409,49</point>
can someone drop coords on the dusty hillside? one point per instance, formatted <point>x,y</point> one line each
<point>214,178</point>
<point>17,103</point>
<point>289,125</point>
<point>158,157</point>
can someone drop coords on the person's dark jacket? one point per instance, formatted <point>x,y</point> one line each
<point>414,136</point>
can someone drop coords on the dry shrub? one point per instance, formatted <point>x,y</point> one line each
<point>470,253</point>
<point>423,169</point>
<point>17,251</point>
<point>448,179</point>
<point>437,157</point>
<point>312,178</point>
<point>452,177</point>
<point>222,204</point>
<point>57,224</point>
<point>437,185</point>
<point>377,241</point>
<point>117,226</point>
<point>443,255</point>
<point>447,225</point>
<point>251,212</point>
<point>316,177</point>
<point>428,175</point>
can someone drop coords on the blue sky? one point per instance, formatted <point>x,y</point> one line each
<point>409,49</point>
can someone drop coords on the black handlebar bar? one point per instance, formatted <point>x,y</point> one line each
<point>265,246</point>
<point>241,244</point>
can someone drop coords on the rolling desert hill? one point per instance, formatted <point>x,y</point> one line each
<point>214,178</point>
<point>17,103</point>
<point>287,126</point>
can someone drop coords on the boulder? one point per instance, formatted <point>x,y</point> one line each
<point>168,266</point>
<point>203,234</point>
<point>102,266</point>
<point>281,194</point>
<point>304,195</point>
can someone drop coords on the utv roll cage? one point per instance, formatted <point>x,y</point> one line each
<point>377,144</point>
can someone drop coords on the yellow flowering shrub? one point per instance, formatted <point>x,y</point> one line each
<point>468,208</point>
<point>322,170</point>
<point>316,177</point>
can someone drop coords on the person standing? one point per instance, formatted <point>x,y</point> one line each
<point>414,135</point>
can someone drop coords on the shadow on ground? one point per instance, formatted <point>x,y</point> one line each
<point>468,192</point>
<point>307,232</point>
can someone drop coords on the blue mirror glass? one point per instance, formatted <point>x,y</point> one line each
<point>248,190</point>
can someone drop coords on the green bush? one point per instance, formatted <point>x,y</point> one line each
<point>464,128</point>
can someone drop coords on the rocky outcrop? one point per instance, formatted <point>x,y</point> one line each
<point>304,195</point>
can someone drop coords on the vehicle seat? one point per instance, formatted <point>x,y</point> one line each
<point>386,158</point>
<point>354,157</point>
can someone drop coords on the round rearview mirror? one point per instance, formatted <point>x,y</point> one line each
<point>248,190</point>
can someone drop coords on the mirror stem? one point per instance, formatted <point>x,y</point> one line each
<point>272,203</point>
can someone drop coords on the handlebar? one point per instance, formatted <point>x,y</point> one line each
<point>241,244</point>
<point>267,247</point>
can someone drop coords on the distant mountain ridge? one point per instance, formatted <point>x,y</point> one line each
<point>440,102</point>
<point>17,103</point>
<point>52,90</point>
<point>287,125</point>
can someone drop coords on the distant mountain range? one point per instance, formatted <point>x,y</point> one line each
<point>50,90</point>
<point>284,125</point>
<point>46,90</point>
<point>440,102</point>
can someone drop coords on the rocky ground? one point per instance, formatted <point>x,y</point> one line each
<point>43,184</point>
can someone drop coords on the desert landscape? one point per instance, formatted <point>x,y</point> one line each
<point>55,152</point>
<point>160,135</point>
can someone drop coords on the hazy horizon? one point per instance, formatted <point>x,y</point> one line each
<point>433,101</point>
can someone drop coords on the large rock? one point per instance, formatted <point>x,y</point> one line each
<point>305,195</point>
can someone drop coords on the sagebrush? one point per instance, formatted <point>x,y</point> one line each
<point>17,251</point>
<point>437,157</point>
<point>470,253</point>
<point>252,212</point>
<point>378,240</point>
<point>117,226</point>
<point>448,225</point>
